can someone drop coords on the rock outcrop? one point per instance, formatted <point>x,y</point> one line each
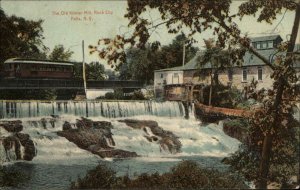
<point>12,126</point>
<point>166,139</point>
<point>94,136</point>
<point>236,128</point>
<point>20,144</point>
<point>29,148</point>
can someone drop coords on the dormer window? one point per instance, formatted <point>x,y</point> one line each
<point>263,45</point>
<point>266,42</point>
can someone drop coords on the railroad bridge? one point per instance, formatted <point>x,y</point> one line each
<point>7,84</point>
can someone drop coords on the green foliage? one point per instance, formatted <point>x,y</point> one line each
<point>60,94</point>
<point>241,123</point>
<point>28,94</point>
<point>222,96</point>
<point>237,128</point>
<point>138,95</point>
<point>116,95</point>
<point>20,38</point>
<point>77,70</point>
<point>141,63</point>
<point>95,71</point>
<point>119,95</point>
<point>10,177</point>
<point>59,53</point>
<point>109,96</point>
<point>284,163</point>
<point>186,175</point>
<point>100,177</point>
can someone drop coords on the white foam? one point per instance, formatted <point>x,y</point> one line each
<point>197,139</point>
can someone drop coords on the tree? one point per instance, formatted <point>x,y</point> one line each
<point>172,54</point>
<point>95,71</point>
<point>199,16</point>
<point>217,59</point>
<point>141,63</point>
<point>59,53</point>
<point>20,38</point>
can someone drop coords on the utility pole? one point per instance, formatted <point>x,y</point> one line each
<point>183,56</point>
<point>83,67</point>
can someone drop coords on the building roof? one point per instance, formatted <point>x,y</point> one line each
<point>35,61</point>
<point>249,60</point>
<point>265,38</point>
<point>252,60</point>
<point>179,68</point>
<point>191,65</point>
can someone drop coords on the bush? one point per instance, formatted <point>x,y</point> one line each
<point>220,96</point>
<point>109,96</point>
<point>100,177</point>
<point>119,95</point>
<point>138,95</point>
<point>226,96</point>
<point>187,174</point>
<point>285,154</point>
<point>10,177</point>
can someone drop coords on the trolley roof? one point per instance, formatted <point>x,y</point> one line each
<point>35,61</point>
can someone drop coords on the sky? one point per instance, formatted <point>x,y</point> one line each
<point>102,19</point>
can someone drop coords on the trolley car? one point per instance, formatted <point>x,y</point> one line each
<point>39,69</point>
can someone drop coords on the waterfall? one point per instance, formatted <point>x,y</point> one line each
<point>109,109</point>
<point>57,158</point>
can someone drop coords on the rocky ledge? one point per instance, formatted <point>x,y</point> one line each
<point>94,136</point>
<point>237,128</point>
<point>16,141</point>
<point>153,133</point>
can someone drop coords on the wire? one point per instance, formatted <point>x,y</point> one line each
<point>272,31</point>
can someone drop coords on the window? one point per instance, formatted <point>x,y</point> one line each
<point>230,73</point>
<point>258,45</point>
<point>161,75</point>
<point>264,45</point>
<point>244,74</point>
<point>270,44</point>
<point>175,78</point>
<point>259,73</point>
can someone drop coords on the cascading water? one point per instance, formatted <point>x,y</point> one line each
<point>58,157</point>
<point>110,109</point>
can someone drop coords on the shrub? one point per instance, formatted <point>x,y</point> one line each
<point>10,177</point>
<point>187,174</point>
<point>109,95</point>
<point>100,177</point>
<point>138,95</point>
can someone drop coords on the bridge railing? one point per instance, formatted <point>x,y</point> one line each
<point>65,84</point>
<point>39,83</point>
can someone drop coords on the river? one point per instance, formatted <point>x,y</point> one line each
<point>58,161</point>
